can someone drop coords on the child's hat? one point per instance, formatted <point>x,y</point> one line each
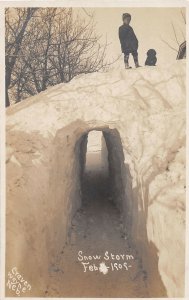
<point>126,15</point>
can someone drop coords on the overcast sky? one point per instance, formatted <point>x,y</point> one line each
<point>151,25</point>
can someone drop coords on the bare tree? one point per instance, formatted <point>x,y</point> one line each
<point>15,30</point>
<point>179,35</point>
<point>56,46</point>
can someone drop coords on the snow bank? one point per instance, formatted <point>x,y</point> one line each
<point>46,145</point>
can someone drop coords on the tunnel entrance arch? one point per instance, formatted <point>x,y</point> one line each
<point>68,167</point>
<point>114,172</point>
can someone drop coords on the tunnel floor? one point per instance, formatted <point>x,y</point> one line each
<point>97,228</point>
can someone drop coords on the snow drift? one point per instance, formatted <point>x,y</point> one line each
<point>142,116</point>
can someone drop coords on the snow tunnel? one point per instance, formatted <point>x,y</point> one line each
<point>76,171</point>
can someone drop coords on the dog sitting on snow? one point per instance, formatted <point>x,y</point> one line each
<point>151,58</point>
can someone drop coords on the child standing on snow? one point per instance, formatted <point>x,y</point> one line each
<point>128,41</point>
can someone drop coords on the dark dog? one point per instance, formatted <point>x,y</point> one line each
<point>151,58</point>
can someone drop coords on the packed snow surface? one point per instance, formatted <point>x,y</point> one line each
<point>146,108</point>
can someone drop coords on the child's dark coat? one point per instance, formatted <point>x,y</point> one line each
<point>128,39</point>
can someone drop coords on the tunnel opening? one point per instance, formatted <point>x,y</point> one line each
<point>90,180</point>
<point>103,174</point>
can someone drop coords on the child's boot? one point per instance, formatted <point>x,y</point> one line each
<point>127,66</point>
<point>126,60</point>
<point>136,62</point>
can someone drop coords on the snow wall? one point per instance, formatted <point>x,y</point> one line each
<point>142,116</point>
